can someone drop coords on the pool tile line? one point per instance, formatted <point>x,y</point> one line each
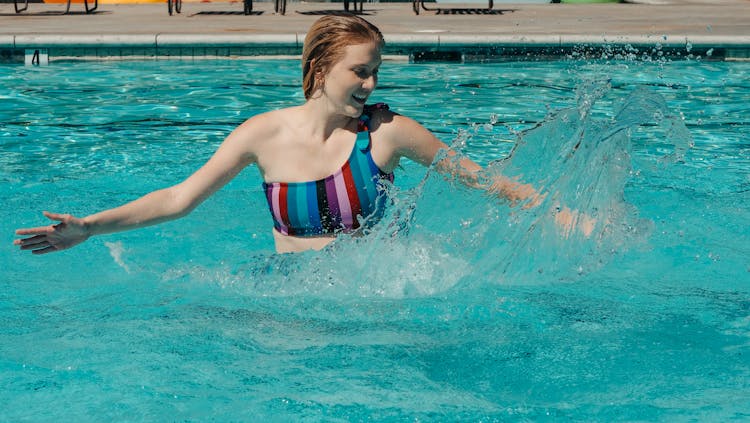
<point>84,40</point>
<point>295,40</point>
<point>228,40</point>
<point>430,46</point>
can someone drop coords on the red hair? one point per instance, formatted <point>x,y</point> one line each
<point>325,43</point>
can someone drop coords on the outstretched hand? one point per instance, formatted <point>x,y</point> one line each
<point>568,221</point>
<point>70,232</point>
<point>516,191</point>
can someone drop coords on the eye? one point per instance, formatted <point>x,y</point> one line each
<point>361,73</point>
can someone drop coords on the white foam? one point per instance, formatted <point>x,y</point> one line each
<point>115,250</point>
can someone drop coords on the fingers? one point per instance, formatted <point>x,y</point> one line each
<point>41,230</point>
<point>30,241</point>
<point>588,225</point>
<point>39,244</point>
<point>568,220</point>
<point>535,201</point>
<point>44,229</point>
<point>45,250</point>
<point>43,239</point>
<point>36,246</point>
<point>56,216</point>
<point>565,220</point>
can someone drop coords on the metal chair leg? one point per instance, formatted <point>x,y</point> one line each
<point>15,4</point>
<point>417,4</point>
<point>86,4</point>
<point>280,7</point>
<point>357,9</point>
<point>175,5</point>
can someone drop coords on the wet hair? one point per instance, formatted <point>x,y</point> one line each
<point>325,43</point>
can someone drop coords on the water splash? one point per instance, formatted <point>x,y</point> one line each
<point>581,163</point>
<point>578,158</point>
<point>116,250</point>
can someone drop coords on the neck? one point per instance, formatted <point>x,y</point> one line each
<point>323,120</point>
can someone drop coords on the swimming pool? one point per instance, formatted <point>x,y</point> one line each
<point>471,311</point>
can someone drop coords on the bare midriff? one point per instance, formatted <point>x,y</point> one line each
<point>295,244</point>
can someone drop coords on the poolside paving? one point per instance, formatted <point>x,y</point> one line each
<point>708,23</point>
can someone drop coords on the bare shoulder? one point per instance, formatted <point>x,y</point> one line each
<point>400,136</point>
<point>262,126</point>
<point>260,131</point>
<point>388,121</point>
<point>396,127</point>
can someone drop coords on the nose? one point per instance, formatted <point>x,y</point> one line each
<point>370,82</point>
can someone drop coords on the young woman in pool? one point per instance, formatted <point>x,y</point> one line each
<point>299,152</point>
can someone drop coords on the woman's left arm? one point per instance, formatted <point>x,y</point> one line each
<point>415,142</point>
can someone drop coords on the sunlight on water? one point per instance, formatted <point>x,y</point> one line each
<point>457,306</point>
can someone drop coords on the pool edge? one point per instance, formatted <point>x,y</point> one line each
<point>422,47</point>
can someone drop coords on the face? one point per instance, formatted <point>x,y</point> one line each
<point>351,80</point>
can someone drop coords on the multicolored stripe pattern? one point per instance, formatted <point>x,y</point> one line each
<point>342,202</point>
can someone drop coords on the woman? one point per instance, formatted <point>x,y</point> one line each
<point>299,152</point>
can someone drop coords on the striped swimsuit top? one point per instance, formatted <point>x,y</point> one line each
<point>342,202</point>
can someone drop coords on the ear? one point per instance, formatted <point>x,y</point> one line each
<point>319,75</point>
<point>319,78</point>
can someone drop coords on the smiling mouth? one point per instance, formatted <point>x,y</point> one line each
<point>360,100</point>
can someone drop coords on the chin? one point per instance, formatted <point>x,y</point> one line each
<point>355,111</point>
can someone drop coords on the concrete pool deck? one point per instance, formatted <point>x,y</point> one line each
<point>218,29</point>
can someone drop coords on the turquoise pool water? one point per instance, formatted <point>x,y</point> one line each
<point>473,311</point>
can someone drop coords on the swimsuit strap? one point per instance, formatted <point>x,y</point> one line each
<point>364,119</point>
<point>338,202</point>
<point>363,142</point>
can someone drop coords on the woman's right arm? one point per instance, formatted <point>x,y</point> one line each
<point>166,204</point>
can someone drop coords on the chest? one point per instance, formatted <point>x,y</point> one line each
<point>289,157</point>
